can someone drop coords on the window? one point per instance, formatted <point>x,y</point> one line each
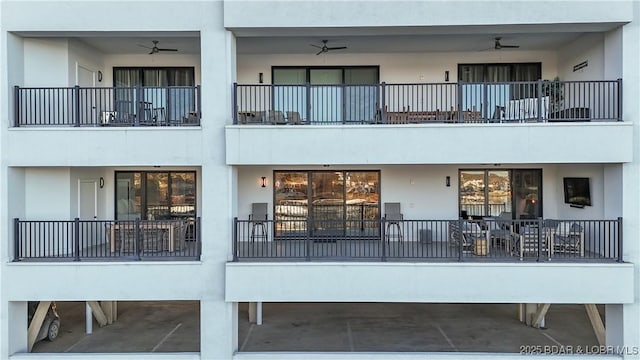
<point>161,95</point>
<point>490,192</point>
<point>344,203</point>
<point>155,195</point>
<point>499,72</point>
<point>488,88</point>
<point>324,102</point>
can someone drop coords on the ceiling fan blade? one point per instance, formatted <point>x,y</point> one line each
<point>153,51</point>
<point>167,49</point>
<point>145,46</point>
<point>510,46</point>
<point>337,48</point>
<point>321,51</point>
<point>316,46</point>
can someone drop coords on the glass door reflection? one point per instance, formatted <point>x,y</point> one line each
<point>333,203</point>
<point>327,205</point>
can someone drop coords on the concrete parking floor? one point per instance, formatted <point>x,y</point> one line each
<point>409,328</point>
<point>174,326</point>
<point>158,326</point>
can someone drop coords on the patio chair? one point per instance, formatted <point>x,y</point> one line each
<point>465,236</point>
<point>258,219</point>
<point>568,238</point>
<point>276,117</point>
<point>393,219</point>
<point>293,118</point>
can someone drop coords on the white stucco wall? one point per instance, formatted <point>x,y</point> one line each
<point>429,143</point>
<point>23,191</point>
<point>394,68</point>
<point>48,186</point>
<point>590,48</point>
<point>428,282</point>
<point>46,62</point>
<point>332,13</point>
<point>421,190</point>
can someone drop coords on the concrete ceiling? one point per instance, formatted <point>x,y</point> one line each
<point>402,43</point>
<point>358,40</point>
<point>355,44</point>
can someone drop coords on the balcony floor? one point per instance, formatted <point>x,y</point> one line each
<point>397,251</point>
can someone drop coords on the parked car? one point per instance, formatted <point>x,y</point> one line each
<point>51,324</point>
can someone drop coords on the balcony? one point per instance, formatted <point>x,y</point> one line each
<point>106,240</point>
<point>482,240</point>
<point>107,106</point>
<point>435,103</point>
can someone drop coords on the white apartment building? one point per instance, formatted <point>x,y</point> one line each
<point>443,143</point>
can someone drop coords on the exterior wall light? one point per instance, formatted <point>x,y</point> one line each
<point>263,181</point>
<point>101,182</point>
<point>447,181</point>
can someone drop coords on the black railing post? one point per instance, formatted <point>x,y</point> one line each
<point>139,106</point>
<point>199,104</point>
<point>308,91</point>
<point>383,108</point>
<point>198,235</point>
<point>16,106</point>
<point>235,238</point>
<point>137,240</point>
<point>16,239</point>
<point>539,109</point>
<point>485,103</point>
<point>620,239</point>
<point>234,104</point>
<point>620,99</point>
<point>383,239</point>
<point>308,241</point>
<point>459,101</point>
<point>76,110</point>
<point>539,230</point>
<point>343,89</point>
<point>76,238</point>
<point>460,238</point>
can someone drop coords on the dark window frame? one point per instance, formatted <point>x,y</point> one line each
<point>142,68</point>
<point>143,189</point>
<point>331,67</point>
<point>511,65</point>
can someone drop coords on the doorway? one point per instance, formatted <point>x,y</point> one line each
<point>335,94</point>
<point>88,199</point>
<point>332,203</point>
<point>490,192</point>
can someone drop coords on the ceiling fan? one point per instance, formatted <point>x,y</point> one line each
<point>155,49</point>
<point>499,46</point>
<point>324,48</point>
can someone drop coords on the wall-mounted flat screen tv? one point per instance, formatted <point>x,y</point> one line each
<point>577,191</point>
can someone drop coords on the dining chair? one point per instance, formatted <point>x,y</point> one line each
<point>393,219</point>
<point>258,218</point>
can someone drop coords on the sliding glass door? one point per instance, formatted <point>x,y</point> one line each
<point>491,192</point>
<point>331,203</point>
<point>155,195</point>
<point>166,88</point>
<point>334,95</point>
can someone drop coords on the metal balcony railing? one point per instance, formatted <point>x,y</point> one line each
<point>487,239</point>
<point>119,240</point>
<point>496,102</point>
<point>107,106</point>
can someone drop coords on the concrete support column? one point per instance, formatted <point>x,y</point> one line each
<point>14,328</point>
<point>255,312</point>
<point>614,321</point>
<point>88,318</point>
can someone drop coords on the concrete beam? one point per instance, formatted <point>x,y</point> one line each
<point>36,322</point>
<point>98,313</point>
<point>596,323</point>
